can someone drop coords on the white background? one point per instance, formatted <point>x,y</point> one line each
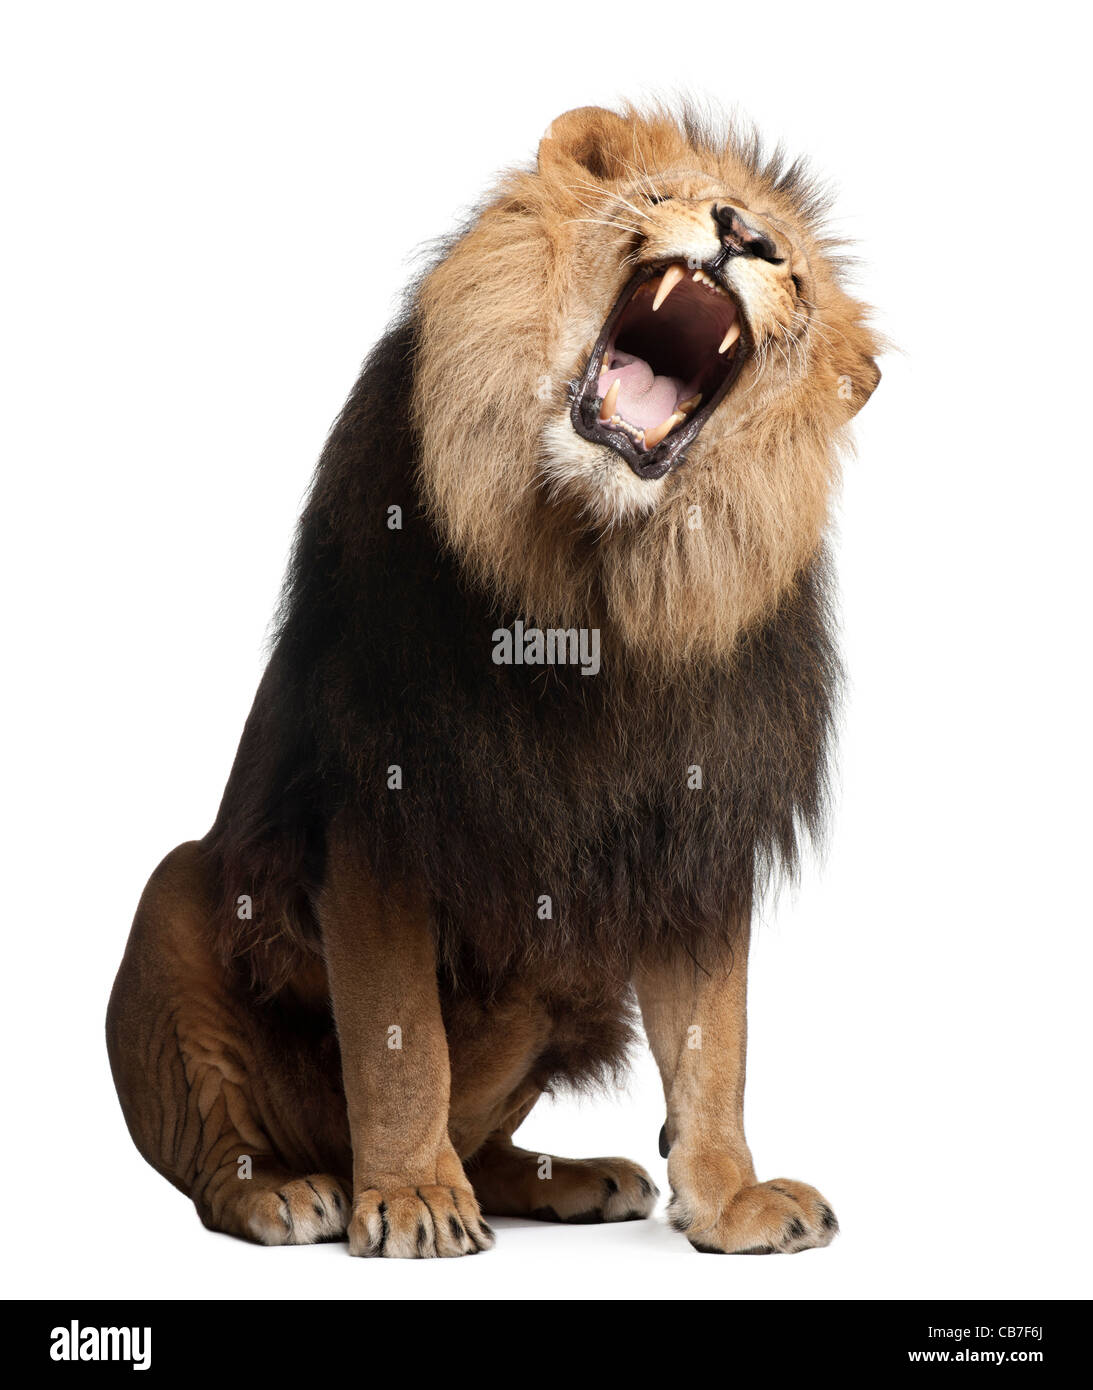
<point>210,210</point>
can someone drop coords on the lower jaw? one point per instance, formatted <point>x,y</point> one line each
<point>649,465</point>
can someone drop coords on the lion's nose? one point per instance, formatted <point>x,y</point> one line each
<point>739,238</point>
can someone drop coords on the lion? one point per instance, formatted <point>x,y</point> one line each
<point>550,700</point>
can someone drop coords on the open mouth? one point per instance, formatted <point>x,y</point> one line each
<point>671,347</point>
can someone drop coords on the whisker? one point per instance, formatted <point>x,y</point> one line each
<point>645,183</point>
<point>608,196</point>
<point>810,326</point>
<point>589,207</point>
<point>600,222</point>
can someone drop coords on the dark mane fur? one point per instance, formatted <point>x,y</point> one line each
<point>518,781</point>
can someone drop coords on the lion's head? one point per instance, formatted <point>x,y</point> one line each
<point>632,374</point>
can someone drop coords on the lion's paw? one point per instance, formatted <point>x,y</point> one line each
<point>417,1223</point>
<point>299,1211</point>
<point>781,1216</point>
<point>590,1190</point>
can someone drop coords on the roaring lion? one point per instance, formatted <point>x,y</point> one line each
<point>550,698</point>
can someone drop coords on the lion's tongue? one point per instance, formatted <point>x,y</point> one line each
<point>644,399</point>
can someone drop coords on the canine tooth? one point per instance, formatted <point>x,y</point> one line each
<point>730,337</point>
<point>688,406</point>
<point>655,435</point>
<point>672,276</point>
<point>610,401</point>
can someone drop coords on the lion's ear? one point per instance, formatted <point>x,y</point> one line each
<point>591,137</point>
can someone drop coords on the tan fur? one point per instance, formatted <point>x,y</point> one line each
<point>510,316</point>
<point>696,1021</point>
<point>408,1183</point>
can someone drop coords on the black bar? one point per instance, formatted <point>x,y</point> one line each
<point>245,1338</point>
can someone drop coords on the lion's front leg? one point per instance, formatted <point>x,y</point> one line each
<point>411,1196</point>
<point>696,1020</point>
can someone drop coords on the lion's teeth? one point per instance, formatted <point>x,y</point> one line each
<point>730,337</point>
<point>707,280</point>
<point>672,276</point>
<point>610,401</point>
<point>654,436</point>
<point>688,406</point>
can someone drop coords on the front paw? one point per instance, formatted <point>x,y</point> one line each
<point>763,1219</point>
<point>417,1223</point>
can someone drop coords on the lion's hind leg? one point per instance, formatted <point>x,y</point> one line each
<point>240,1186</point>
<point>274,1208</point>
<point>213,1098</point>
<point>509,1181</point>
